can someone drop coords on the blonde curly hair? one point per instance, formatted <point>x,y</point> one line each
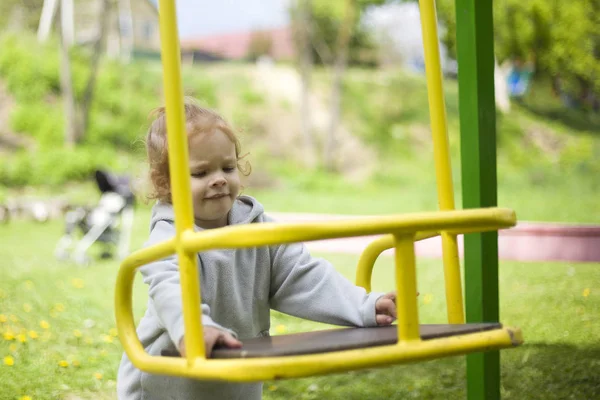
<point>199,120</point>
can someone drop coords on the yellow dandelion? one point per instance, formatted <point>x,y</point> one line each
<point>272,388</point>
<point>9,335</point>
<point>113,332</point>
<point>77,283</point>
<point>63,363</point>
<point>44,324</point>
<point>77,333</point>
<point>21,338</point>
<point>25,398</point>
<point>8,360</point>
<point>586,292</point>
<point>3,318</point>
<point>14,318</point>
<point>98,375</point>
<point>28,285</point>
<point>12,348</point>
<point>75,363</point>
<point>27,307</point>
<point>33,334</point>
<point>280,329</point>
<point>59,307</point>
<point>107,338</point>
<point>427,299</point>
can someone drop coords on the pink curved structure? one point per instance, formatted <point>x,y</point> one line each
<point>528,241</point>
<point>550,242</point>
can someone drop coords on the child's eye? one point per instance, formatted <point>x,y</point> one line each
<point>199,174</point>
<point>229,169</point>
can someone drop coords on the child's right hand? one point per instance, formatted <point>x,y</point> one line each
<point>213,337</point>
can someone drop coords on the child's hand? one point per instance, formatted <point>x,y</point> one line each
<point>213,337</point>
<point>385,309</point>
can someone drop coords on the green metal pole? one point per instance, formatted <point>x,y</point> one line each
<point>475,48</point>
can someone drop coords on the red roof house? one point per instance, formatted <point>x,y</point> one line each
<point>237,45</point>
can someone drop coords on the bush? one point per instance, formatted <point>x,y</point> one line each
<point>58,166</point>
<point>124,94</point>
<point>123,97</point>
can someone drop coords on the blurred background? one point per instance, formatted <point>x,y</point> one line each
<point>330,102</point>
<point>327,95</point>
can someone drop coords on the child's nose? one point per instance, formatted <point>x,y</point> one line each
<point>218,181</point>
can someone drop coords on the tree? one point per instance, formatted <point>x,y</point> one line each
<point>303,31</point>
<point>30,9</point>
<point>88,93</point>
<point>66,80</point>
<point>76,118</point>
<point>341,59</point>
<point>348,14</point>
<point>337,39</point>
<point>562,39</point>
<point>573,56</point>
<point>327,18</point>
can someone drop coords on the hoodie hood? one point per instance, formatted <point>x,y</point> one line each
<point>245,210</point>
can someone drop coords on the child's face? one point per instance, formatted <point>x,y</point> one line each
<point>215,177</point>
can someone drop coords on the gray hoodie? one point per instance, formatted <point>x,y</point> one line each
<point>239,287</point>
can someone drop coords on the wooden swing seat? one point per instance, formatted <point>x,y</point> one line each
<point>325,341</point>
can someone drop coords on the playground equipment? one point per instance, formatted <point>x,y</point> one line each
<point>305,354</point>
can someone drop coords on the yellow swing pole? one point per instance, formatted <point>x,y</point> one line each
<point>441,152</point>
<point>180,178</point>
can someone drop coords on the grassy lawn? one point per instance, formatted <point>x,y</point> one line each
<point>563,202</point>
<point>58,339</point>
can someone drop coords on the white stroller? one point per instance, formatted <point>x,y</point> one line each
<point>109,223</point>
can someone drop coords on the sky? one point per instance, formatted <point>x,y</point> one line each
<point>206,17</point>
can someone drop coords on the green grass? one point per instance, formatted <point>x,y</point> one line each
<point>560,197</point>
<point>555,304</point>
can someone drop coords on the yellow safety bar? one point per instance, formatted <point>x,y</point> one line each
<point>366,262</point>
<point>441,155</point>
<point>405,229</point>
<point>179,174</point>
<point>401,230</point>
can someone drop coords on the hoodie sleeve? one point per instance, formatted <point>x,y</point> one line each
<point>164,290</point>
<point>311,288</point>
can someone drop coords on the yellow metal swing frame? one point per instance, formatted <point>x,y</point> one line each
<point>402,232</point>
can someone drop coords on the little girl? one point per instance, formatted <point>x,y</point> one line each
<point>239,287</point>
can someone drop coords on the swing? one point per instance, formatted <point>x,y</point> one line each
<point>327,351</point>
